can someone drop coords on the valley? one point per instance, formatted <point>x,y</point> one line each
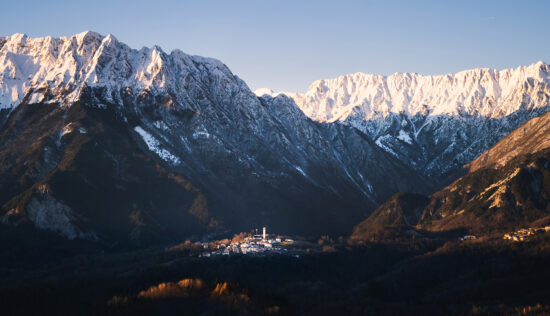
<point>443,275</point>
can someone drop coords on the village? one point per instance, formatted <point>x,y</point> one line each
<point>249,244</point>
<point>525,234</point>
<point>244,244</point>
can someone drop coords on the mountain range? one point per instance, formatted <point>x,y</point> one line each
<point>104,142</point>
<point>434,124</point>
<point>506,189</point>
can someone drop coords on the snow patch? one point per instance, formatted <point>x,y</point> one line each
<point>154,146</point>
<point>161,125</point>
<point>198,134</point>
<point>186,143</point>
<point>404,136</point>
<point>369,186</point>
<point>300,170</point>
<point>367,183</point>
<point>378,142</point>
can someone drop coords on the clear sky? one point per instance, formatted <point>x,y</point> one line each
<point>285,45</point>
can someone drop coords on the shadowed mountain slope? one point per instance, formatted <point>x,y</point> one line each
<point>434,124</point>
<point>401,210</point>
<point>101,141</point>
<point>507,188</point>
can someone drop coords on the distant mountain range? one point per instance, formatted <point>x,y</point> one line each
<point>104,142</point>
<point>434,124</point>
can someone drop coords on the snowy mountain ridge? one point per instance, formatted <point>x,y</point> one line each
<point>435,124</point>
<point>50,70</point>
<point>477,92</point>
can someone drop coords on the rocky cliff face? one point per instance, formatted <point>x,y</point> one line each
<point>435,124</point>
<point>531,137</point>
<point>142,144</point>
<point>506,188</point>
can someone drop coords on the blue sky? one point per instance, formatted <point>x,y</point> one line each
<point>285,45</point>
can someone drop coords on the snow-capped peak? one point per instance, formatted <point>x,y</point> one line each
<point>48,69</point>
<point>435,124</point>
<point>477,92</point>
<point>262,91</point>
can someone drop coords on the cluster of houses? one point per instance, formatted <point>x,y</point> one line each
<point>526,233</point>
<point>258,243</point>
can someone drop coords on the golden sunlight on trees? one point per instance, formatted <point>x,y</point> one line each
<point>183,288</point>
<point>219,296</point>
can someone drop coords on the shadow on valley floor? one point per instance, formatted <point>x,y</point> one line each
<point>404,277</point>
